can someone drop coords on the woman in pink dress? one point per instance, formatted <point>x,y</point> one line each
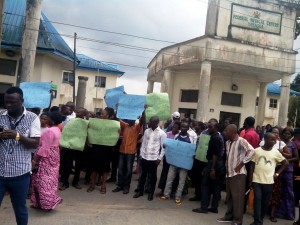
<point>45,166</point>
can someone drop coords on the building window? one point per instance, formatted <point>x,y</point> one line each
<point>8,67</point>
<point>231,99</point>
<point>273,103</point>
<point>188,113</point>
<point>100,81</point>
<point>98,110</point>
<point>68,78</point>
<point>257,100</point>
<point>189,95</point>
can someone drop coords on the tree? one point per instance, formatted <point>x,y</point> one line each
<point>295,86</point>
<point>297,30</point>
<point>292,114</point>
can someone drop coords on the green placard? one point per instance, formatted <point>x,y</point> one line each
<point>158,104</point>
<point>103,132</point>
<point>202,147</point>
<point>74,134</point>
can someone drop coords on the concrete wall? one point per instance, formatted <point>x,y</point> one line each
<point>50,68</point>
<point>91,101</point>
<point>185,81</point>
<point>9,79</point>
<point>283,41</point>
<point>271,114</point>
<point>220,82</point>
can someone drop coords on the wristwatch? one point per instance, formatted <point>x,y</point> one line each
<point>18,137</point>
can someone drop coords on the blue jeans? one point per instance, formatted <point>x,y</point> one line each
<point>125,170</point>
<point>173,171</point>
<point>210,187</point>
<point>262,195</point>
<point>17,188</point>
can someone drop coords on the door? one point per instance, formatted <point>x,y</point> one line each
<point>234,116</point>
<point>3,88</point>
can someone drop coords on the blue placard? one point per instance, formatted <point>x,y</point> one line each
<point>130,107</point>
<point>112,96</point>
<point>179,153</point>
<point>36,94</point>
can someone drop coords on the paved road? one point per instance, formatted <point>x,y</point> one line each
<point>82,208</point>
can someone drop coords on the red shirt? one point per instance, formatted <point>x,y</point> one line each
<point>252,137</point>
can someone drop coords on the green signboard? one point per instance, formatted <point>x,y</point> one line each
<point>256,19</point>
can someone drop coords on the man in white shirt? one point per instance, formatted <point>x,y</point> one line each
<point>152,152</point>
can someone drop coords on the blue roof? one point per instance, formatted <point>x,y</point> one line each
<point>88,63</point>
<point>13,25</point>
<point>274,89</point>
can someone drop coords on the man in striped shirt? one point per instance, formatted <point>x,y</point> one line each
<point>239,152</point>
<point>19,133</point>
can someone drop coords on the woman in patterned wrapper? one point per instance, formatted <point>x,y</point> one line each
<point>286,206</point>
<point>45,166</point>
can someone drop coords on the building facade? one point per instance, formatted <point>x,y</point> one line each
<point>53,62</point>
<point>246,46</point>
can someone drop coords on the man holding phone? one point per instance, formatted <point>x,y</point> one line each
<point>20,133</point>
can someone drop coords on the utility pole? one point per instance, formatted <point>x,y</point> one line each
<point>2,3</point>
<point>29,40</point>
<point>74,68</point>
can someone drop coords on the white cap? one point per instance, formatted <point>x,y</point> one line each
<point>176,115</point>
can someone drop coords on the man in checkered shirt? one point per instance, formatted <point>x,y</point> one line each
<point>19,133</point>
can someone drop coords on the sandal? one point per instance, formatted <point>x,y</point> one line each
<point>164,197</point>
<point>90,189</point>
<point>178,202</point>
<point>103,190</point>
<point>273,219</point>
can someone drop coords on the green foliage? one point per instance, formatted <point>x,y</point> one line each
<point>293,106</point>
<point>295,85</point>
<point>297,30</point>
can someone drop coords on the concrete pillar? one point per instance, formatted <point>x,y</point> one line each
<point>204,84</point>
<point>167,83</point>
<point>150,87</point>
<point>81,91</point>
<point>284,100</point>
<point>2,3</point>
<point>262,98</point>
<point>29,40</point>
<point>212,17</point>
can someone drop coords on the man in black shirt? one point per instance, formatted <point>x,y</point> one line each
<point>213,173</point>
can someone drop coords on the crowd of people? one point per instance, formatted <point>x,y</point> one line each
<point>246,162</point>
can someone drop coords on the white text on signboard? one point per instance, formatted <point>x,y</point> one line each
<point>256,19</point>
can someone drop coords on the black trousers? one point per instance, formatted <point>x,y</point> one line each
<point>148,168</point>
<point>164,175</point>
<point>198,168</point>
<point>115,160</point>
<point>86,165</point>
<point>68,156</point>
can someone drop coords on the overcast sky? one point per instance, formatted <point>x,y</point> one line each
<point>168,20</point>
